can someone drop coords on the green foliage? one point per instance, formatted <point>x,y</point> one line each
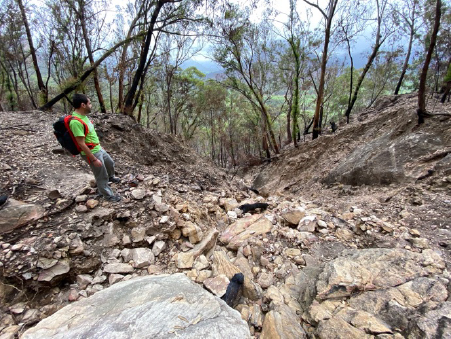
<point>448,74</point>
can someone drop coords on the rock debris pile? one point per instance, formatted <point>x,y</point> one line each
<point>356,266</point>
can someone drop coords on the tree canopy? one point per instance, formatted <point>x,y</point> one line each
<point>282,70</point>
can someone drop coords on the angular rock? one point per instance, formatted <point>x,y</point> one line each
<point>186,259</point>
<point>46,263</point>
<point>435,323</point>
<point>282,324</point>
<point>83,280</point>
<point>292,217</point>
<point>139,194</point>
<point>236,235</point>
<point>338,328</point>
<point>228,204</point>
<point>114,278</point>
<point>118,268</point>
<point>265,280</point>
<point>307,224</point>
<point>162,208</point>
<point>222,265</point>
<point>16,214</point>
<point>374,269</point>
<point>217,285</point>
<point>138,234</point>
<point>158,247</point>
<point>142,257</point>
<point>192,231</point>
<point>60,269</point>
<point>92,203</point>
<point>157,306</point>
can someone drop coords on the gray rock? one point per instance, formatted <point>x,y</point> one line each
<point>307,224</point>
<point>158,247</point>
<point>162,208</point>
<point>435,323</point>
<point>375,269</point>
<point>16,213</point>
<point>282,324</point>
<point>166,306</point>
<point>265,280</point>
<point>138,234</point>
<point>383,160</point>
<point>337,328</point>
<point>58,270</point>
<point>83,280</point>
<point>118,268</point>
<point>138,194</point>
<point>142,257</point>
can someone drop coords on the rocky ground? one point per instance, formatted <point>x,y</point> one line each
<point>329,257</point>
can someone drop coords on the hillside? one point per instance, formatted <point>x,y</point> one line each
<point>355,241</point>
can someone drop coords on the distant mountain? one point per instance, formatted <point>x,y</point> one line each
<point>205,66</point>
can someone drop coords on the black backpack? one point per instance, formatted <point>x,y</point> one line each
<point>65,136</point>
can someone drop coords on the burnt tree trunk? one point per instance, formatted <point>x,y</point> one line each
<point>42,87</point>
<point>128,105</point>
<point>421,111</point>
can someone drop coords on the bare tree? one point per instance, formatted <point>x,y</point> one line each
<point>421,111</point>
<point>41,85</point>
<point>328,15</point>
<point>408,16</point>
<point>383,31</point>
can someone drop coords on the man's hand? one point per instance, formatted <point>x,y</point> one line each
<point>97,163</point>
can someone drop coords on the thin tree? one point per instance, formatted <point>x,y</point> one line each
<point>331,10</point>
<point>408,16</point>
<point>41,85</point>
<point>381,6</point>
<point>421,111</point>
<point>82,15</point>
<point>78,81</point>
<point>245,52</point>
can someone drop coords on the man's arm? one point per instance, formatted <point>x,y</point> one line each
<point>91,157</point>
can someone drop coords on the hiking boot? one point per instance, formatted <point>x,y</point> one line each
<point>114,180</point>
<point>114,198</point>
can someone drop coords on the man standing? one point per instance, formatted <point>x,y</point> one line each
<point>99,160</point>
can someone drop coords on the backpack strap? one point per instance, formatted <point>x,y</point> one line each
<point>67,121</point>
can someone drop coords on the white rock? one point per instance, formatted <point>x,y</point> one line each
<point>158,247</point>
<point>142,257</point>
<point>164,219</point>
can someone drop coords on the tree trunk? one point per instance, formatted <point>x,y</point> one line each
<point>446,93</point>
<point>371,58</point>
<point>81,15</point>
<point>295,97</point>
<point>122,64</point>
<point>406,61</point>
<point>85,74</point>
<point>42,87</point>
<point>319,100</point>
<point>422,88</point>
<point>351,80</point>
<point>269,128</point>
<point>289,136</point>
<point>128,106</point>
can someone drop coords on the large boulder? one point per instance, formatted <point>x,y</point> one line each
<point>165,306</point>
<point>383,160</point>
<point>379,292</point>
<point>16,213</point>
<point>237,234</point>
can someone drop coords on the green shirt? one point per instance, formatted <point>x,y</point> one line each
<point>79,131</point>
